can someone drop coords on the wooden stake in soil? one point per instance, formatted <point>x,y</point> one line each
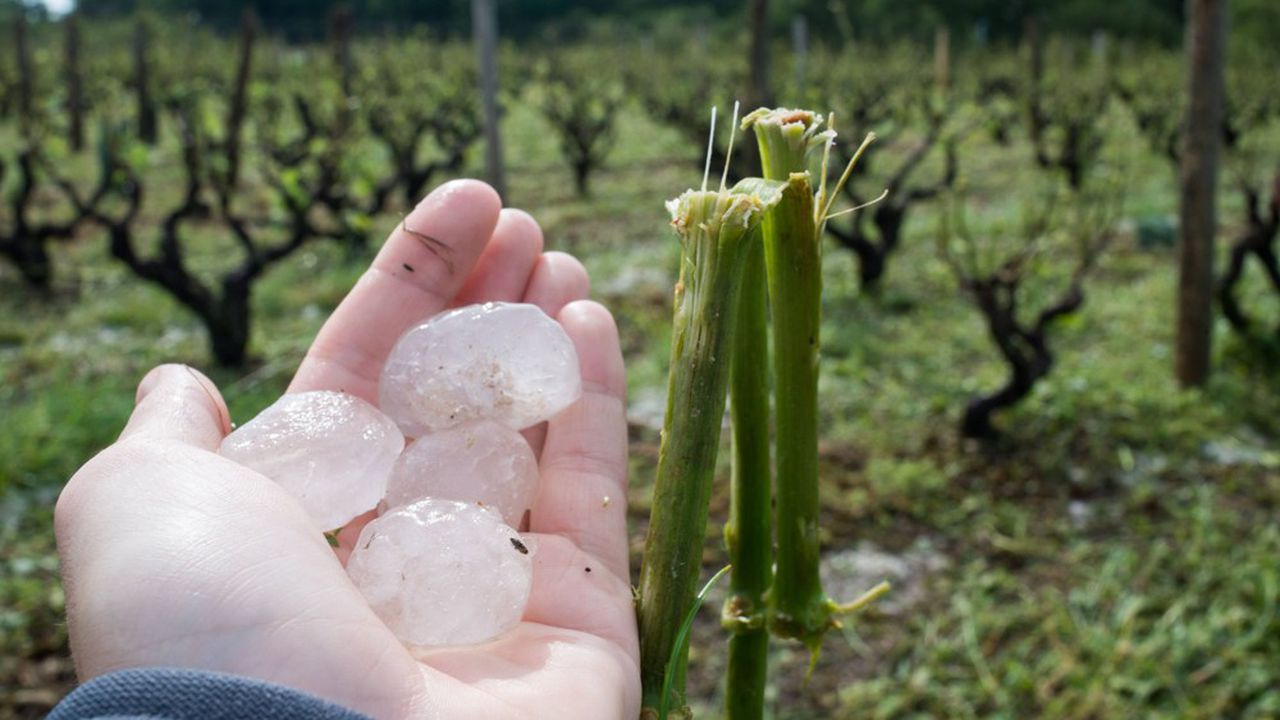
<point>147,116</point>
<point>75,101</point>
<point>1206,52</point>
<point>942,59</point>
<point>26,72</point>
<point>484,28</point>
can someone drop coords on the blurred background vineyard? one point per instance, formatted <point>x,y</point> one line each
<point>193,182</point>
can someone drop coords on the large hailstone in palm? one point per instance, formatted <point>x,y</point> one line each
<point>506,362</point>
<point>479,462</point>
<point>332,451</point>
<point>440,572</point>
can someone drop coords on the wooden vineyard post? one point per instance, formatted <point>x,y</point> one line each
<point>942,59</point>
<point>75,99</point>
<point>26,72</point>
<point>1206,50</point>
<point>147,120</point>
<point>484,28</point>
<point>800,50</point>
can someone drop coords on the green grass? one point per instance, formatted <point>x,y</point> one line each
<point>1162,602</point>
<point>1161,625</point>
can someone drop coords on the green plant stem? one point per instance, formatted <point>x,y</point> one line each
<point>798,607</point>
<point>717,229</point>
<point>749,532</point>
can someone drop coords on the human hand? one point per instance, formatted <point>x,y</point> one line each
<point>174,556</point>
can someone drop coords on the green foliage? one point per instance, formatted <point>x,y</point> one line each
<point>682,637</point>
<point>581,101</point>
<point>1253,23</point>
<point>883,101</point>
<point>900,483</point>
<point>1002,20</point>
<point>1158,625</point>
<point>682,100</point>
<point>1156,599</point>
<point>31,600</point>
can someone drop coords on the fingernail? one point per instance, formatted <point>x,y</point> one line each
<point>177,375</point>
<point>211,390</point>
<point>158,375</point>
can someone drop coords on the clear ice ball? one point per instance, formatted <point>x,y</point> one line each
<point>331,451</point>
<point>480,462</point>
<point>440,572</point>
<point>507,362</point>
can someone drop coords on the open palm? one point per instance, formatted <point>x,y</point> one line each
<point>174,556</point>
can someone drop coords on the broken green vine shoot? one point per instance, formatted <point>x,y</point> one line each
<point>798,608</point>
<point>717,229</point>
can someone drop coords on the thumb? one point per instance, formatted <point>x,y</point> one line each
<point>177,403</point>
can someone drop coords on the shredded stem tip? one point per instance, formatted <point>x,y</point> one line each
<point>844,177</point>
<point>711,143</point>
<point>856,208</point>
<point>733,128</point>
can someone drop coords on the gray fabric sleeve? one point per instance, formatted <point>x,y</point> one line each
<point>176,694</point>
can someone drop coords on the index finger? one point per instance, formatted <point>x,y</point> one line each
<point>418,271</point>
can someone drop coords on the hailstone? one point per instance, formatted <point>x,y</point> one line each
<point>441,572</point>
<point>331,451</point>
<point>479,462</point>
<point>507,362</point>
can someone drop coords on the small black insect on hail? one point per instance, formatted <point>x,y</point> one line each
<point>407,266</point>
<point>519,546</point>
<point>587,569</point>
